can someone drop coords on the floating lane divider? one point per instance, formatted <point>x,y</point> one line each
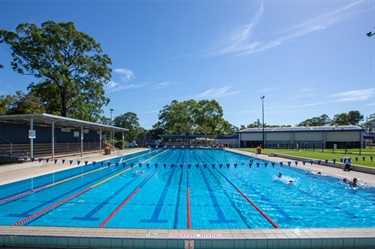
<point>127,199</point>
<point>188,201</point>
<point>59,182</point>
<point>252,203</point>
<point>74,195</point>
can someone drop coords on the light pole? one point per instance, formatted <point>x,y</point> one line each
<point>111,114</point>
<point>262,98</point>
<point>111,125</point>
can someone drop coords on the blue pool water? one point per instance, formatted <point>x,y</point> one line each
<point>186,188</point>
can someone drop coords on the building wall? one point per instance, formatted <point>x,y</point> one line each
<point>327,137</point>
<point>308,136</point>
<point>284,136</point>
<point>19,134</point>
<point>251,136</point>
<point>343,137</point>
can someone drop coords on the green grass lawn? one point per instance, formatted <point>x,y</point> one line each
<point>326,154</point>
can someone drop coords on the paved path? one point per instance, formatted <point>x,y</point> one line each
<point>21,171</point>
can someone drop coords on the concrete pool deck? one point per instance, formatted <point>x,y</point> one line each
<point>72,237</point>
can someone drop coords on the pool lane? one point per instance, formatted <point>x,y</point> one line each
<point>62,198</point>
<point>157,198</point>
<point>54,183</point>
<point>208,157</point>
<point>178,189</point>
<point>218,208</point>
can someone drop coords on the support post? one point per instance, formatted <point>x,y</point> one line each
<point>32,139</point>
<point>81,140</point>
<point>123,146</point>
<point>53,140</point>
<point>100,140</point>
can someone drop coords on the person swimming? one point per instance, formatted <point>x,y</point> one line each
<point>352,183</point>
<point>279,175</point>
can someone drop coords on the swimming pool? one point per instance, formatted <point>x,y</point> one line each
<point>186,188</point>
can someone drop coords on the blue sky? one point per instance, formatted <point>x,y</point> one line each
<point>308,58</point>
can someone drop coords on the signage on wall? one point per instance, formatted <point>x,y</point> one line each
<point>32,133</point>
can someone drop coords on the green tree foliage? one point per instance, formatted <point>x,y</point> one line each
<point>209,118</point>
<point>350,118</point>
<point>369,124</point>
<point>203,117</point>
<point>20,103</point>
<point>129,121</point>
<point>316,121</point>
<point>354,117</point>
<point>178,117</point>
<point>70,65</point>
<point>26,104</point>
<point>5,103</point>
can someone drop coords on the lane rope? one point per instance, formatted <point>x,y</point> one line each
<point>61,181</point>
<point>252,203</point>
<point>74,195</point>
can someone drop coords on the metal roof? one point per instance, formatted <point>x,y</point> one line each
<point>345,128</point>
<point>48,119</point>
<point>190,136</point>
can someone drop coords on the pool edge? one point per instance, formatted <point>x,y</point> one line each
<point>69,237</point>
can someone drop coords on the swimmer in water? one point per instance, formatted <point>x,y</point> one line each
<point>279,175</point>
<point>353,183</point>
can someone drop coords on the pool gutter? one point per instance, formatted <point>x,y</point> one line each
<point>68,237</point>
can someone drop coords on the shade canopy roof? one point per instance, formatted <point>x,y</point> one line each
<point>185,136</point>
<point>48,119</point>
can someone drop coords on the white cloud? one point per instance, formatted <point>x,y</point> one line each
<point>126,75</point>
<point>162,85</point>
<point>355,95</point>
<point>242,40</point>
<point>216,93</point>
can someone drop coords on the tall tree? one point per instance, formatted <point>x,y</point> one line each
<point>354,117</point>
<point>316,121</point>
<point>350,118</point>
<point>203,117</point>
<point>6,102</point>
<point>209,117</point>
<point>70,65</point>
<point>129,121</point>
<point>26,104</point>
<point>369,124</point>
<point>178,117</point>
